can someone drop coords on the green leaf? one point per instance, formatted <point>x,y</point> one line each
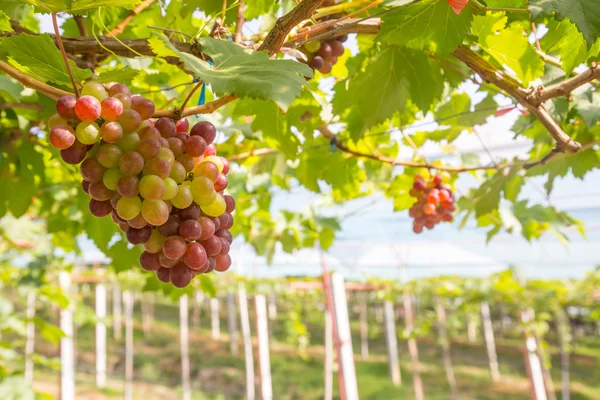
<point>5,23</point>
<point>429,24</point>
<point>246,73</point>
<point>73,6</point>
<point>589,110</point>
<point>10,90</point>
<point>123,257</point>
<point>485,25</point>
<point>38,56</point>
<point>256,8</point>
<point>117,75</point>
<point>583,13</point>
<point>326,238</point>
<point>512,49</point>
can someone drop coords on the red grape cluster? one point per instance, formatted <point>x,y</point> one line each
<point>435,203</point>
<point>163,186</point>
<point>322,56</point>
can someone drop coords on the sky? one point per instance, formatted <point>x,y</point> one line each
<point>376,241</point>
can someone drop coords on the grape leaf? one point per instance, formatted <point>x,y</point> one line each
<point>246,73</point>
<point>256,8</point>
<point>583,13</point>
<point>5,23</point>
<point>589,110</point>
<point>10,90</point>
<point>39,57</point>
<point>507,3</point>
<point>427,24</point>
<point>117,75</point>
<point>79,5</point>
<point>564,39</point>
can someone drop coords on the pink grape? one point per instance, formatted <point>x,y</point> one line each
<point>187,161</point>
<point>225,246</point>
<point>152,187</point>
<point>229,203</point>
<point>128,186</point>
<point>223,262</point>
<point>87,108</point>
<point>119,88</point>
<point>190,230</point>
<point>166,127</point>
<point>206,130</point>
<point>149,132</point>
<point>225,165</point>
<point>211,150</point>
<point>62,137</point>
<point>138,236</point>
<point>157,166</point>
<point>163,275</point>
<point>176,146</point>
<point>212,245</point>
<point>111,109</point>
<point>149,148</point>
<point>108,155</point>
<point>337,48</point>
<point>166,261</point>
<point>92,170</point>
<point>149,261</point>
<point>208,228</point>
<point>111,132</point>
<point>216,222</point>
<point>221,183</point>
<point>100,208</point>
<point>65,107</point>
<point>171,227</point>
<point>174,247</point>
<point>225,234</point>
<point>191,212</point>
<point>226,220</point>
<point>163,142</point>
<point>138,222</point>
<point>208,170</point>
<point>180,275</point>
<point>212,262</point>
<point>99,192</point>
<point>194,256</point>
<point>183,136</point>
<point>143,106</point>
<point>125,99</point>
<point>156,212</point>
<point>130,120</point>
<point>183,125</point>
<point>195,146</point>
<point>131,163</point>
<point>114,201</point>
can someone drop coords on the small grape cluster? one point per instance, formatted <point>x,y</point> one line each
<point>322,55</point>
<point>163,186</point>
<point>435,203</point>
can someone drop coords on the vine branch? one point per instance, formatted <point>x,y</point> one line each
<point>121,26</point>
<point>50,91</point>
<point>64,54</point>
<point>565,88</point>
<point>239,24</point>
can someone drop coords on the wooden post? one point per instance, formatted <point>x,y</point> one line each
<point>490,342</point>
<point>562,327</point>
<point>264,361</point>
<point>364,327</point>
<point>116,310</point>
<point>533,365</point>
<point>344,337</point>
<point>247,340</point>
<point>197,301</point>
<point>214,318</point>
<point>67,359</point>
<point>29,336</point>
<point>445,345</point>
<point>100,304</point>
<point>232,323</point>
<point>185,354</point>
<point>328,356</point>
<point>413,350</point>
<point>128,304</point>
<point>392,342</point>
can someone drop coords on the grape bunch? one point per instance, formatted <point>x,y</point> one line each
<point>322,55</point>
<point>163,186</point>
<point>435,203</point>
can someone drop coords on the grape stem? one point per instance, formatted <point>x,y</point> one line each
<point>190,94</point>
<point>121,26</point>
<point>26,80</point>
<point>239,24</point>
<point>64,54</point>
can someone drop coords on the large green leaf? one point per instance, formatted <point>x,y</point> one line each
<point>583,13</point>
<point>79,5</point>
<point>39,57</point>
<point>429,24</point>
<point>5,22</point>
<point>246,73</point>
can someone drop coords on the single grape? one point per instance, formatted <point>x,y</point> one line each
<point>138,222</point>
<point>419,185</point>
<point>87,108</point>
<point>118,88</point>
<point>111,109</point>
<point>130,120</point>
<point>146,124</point>
<point>138,236</point>
<point>85,185</point>
<point>163,275</point>
<point>183,136</point>
<point>183,198</point>
<point>205,130</point>
<point>143,106</point>
<point>325,51</point>
<point>337,48</point>
<point>212,245</point>
<point>157,166</point>
<point>149,132</point>
<point>317,62</point>
<point>95,90</point>
<point>212,263</point>
<point>176,146</point>
<point>225,246</point>
<point>98,191</point>
<point>208,170</point>
<point>208,228</point>
<point>178,172</point>
<point>108,155</point>
<point>171,189</point>
<point>166,127</point>
<point>125,99</point>
<point>194,256</point>
<point>229,203</point>
<point>429,209</point>
<point>129,207</point>
<point>190,230</point>
<point>313,46</point>
<point>149,261</point>
<point>155,212</point>
<point>131,163</point>
<point>170,227</point>
<point>180,275</point>
<point>326,67</point>
<point>87,132</point>
<point>195,146</point>
<point>129,142</point>
<point>433,197</point>
<point>187,161</point>
<point>211,150</point>
<point>100,208</point>
<point>216,208</point>
<point>62,137</point>
<point>65,107</point>
<point>183,125</point>
<point>149,148</point>
<point>221,183</point>
<point>155,243</point>
<point>152,187</point>
<point>174,247</point>
<point>92,170</point>
<point>191,212</point>
<point>216,222</point>
<point>225,165</point>
<point>111,132</point>
<point>166,154</point>
<point>223,262</point>
<point>225,234</point>
<point>128,186</point>
<point>226,220</point>
<point>417,228</point>
<point>55,120</point>
<point>444,195</point>
<point>215,160</point>
<point>437,180</point>
<point>333,61</point>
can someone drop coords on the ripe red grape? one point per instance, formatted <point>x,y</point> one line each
<point>180,275</point>
<point>100,208</point>
<point>119,88</point>
<point>225,234</point>
<point>176,146</point>
<point>212,245</point>
<point>191,212</point>
<point>125,99</point>
<point>149,148</point>
<point>149,261</point>
<point>130,120</point>
<point>211,150</point>
<point>138,236</point>
<point>194,256</point>
<point>190,230</point>
<point>65,107</point>
<point>174,247</point>
<point>171,227</point>
<point>206,130</point>
<point>229,203</point>
<point>325,51</point>
<point>62,136</point>
<point>187,161</point>
<point>317,62</point>
<point>163,275</point>
<point>92,170</point>
<point>128,186</point>
<point>111,109</point>
<point>225,165</point>
<point>195,146</point>
<point>221,183</point>
<point>138,222</point>
<point>166,127</point>
<point>131,163</point>
<point>143,106</point>
<point>98,191</point>
<point>183,125</point>
<point>337,48</point>
<point>223,262</point>
<point>208,228</point>
<point>157,166</point>
<point>111,132</point>
<point>87,108</point>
